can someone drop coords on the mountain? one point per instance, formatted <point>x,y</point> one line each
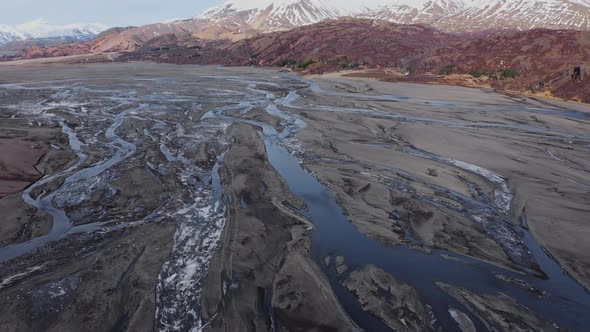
<point>542,60</point>
<point>266,16</point>
<point>239,19</point>
<point>533,61</point>
<point>40,29</point>
<point>13,47</point>
<point>330,44</point>
<point>539,61</point>
<point>445,15</point>
<point>9,33</point>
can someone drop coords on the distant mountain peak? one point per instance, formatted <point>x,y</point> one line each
<point>240,19</point>
<point>447,15</point>
<point>40,28</point>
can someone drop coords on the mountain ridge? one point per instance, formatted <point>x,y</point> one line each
<point>538,61</point>
<point>240,19</point>
<point>41,29</point>
<point>445,15</point>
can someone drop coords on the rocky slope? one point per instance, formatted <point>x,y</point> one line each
<point>536,61</point>
<point>329,45</point>
<point>17,46</point>
<point>132,38</point>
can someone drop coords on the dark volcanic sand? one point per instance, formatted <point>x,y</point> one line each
<point>184,197</point>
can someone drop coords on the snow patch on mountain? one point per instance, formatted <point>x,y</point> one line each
<point>9,33</point>
<point>42,29</point>
<point>448,15</point>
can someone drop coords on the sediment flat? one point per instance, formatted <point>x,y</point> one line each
<point>539,147</point>
<point>173,197</point>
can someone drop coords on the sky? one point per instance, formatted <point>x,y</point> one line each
<point>110,12</point>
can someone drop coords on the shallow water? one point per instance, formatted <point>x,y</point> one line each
<point>201,219</point>
<point>566,301</point>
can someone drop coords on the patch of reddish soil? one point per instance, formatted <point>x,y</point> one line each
<point>18,158</point>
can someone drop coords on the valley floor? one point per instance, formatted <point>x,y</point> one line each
<point>170,197</point>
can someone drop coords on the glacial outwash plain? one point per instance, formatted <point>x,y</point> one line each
<point>141,196</point>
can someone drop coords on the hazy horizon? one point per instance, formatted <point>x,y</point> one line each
<point>109,12</point>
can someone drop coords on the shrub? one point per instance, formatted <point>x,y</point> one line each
<point>345,65</point>
<point>305,64</point>
<point>476,73</point>
<point>508,73</point>
<point>447,70</point>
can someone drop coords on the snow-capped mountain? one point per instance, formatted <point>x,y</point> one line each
<point>42,29</point>
<point>281,14</point>
<point>447,15</point>
<point>241,19</point>
<point>9,33</point>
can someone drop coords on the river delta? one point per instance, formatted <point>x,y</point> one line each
<point>146,196</point>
